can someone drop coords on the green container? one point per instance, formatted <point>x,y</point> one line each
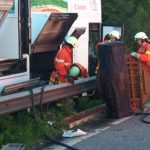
<point>74,71</point>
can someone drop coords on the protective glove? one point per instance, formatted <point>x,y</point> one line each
<point>70,78</point>
<point>136,55</point>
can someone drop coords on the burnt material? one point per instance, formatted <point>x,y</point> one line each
<point>114,79</point>
<point>9,67</point>
<point>42,64</point>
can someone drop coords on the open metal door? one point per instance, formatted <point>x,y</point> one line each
<point>49,30</point>
<point>5,6</point>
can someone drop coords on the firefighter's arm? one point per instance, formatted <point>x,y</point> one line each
<point>60,67</point>
<point>85,73</point>
<point>143,58</point>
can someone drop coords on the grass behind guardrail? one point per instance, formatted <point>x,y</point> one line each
<point>20,127</point>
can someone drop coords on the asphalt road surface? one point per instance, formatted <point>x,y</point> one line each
<point>122,134</point>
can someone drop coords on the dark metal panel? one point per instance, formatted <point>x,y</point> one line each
<point>15,102</point>
<point>53,32</point>
<point>8,67</point>
<point>78,32</point>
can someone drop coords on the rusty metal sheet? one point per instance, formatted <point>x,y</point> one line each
<point>53,32</point>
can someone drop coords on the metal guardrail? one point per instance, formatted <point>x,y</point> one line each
<point>16,102</point>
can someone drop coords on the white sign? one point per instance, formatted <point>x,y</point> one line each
<point>89,11</point>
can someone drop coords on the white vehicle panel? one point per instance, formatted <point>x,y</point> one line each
<point>89,11</point>
<point>15,78</point>
<point>9,43</point>
<point>9,47</point>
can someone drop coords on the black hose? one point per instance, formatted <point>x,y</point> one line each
<point>41,106</point>
<point>32,101</point>
<point>143,119</point>
<point>41,101</point>
<point>37,124</point>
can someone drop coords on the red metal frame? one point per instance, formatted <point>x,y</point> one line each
<point>139,83</point>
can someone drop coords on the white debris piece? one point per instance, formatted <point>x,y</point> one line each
<point>73,133</point>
